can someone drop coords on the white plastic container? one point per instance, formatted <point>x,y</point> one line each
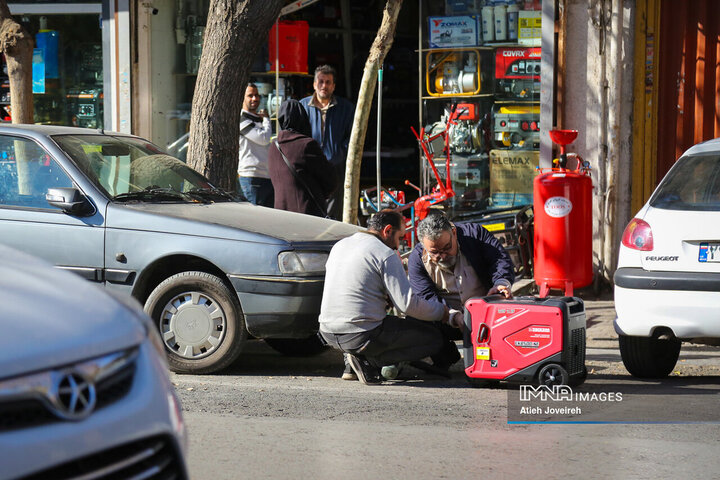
<point>488,24</point>
<point>500,13</point>
<point>512,22</point>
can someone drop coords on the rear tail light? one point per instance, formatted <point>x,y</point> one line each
<point>638,235</point>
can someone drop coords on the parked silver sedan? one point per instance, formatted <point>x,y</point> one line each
<point>84,388</point>
<point>208,269</point>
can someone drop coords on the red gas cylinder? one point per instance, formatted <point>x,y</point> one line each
<point>563,230</point>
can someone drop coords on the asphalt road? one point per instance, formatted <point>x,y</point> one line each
<point>270,416</point>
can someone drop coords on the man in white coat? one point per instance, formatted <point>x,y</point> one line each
<point>255,133</point>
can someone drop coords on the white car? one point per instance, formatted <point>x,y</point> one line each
<point>84,388</point>
<point>667,284</point>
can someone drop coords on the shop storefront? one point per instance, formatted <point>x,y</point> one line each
<point>80,63</point>
<point>484,58</point>
<point>481,71</point>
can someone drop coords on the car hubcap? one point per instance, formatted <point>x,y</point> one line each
<point>192,325</point>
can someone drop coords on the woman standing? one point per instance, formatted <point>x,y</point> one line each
<point>303,179</point>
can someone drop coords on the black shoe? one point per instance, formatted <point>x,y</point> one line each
<point>447,357</point>
<point>365,372</point>
<point>432,369</point>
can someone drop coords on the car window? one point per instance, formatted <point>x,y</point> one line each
<point>692,184</point>
<point>125,165</point>
<point>26,173</point>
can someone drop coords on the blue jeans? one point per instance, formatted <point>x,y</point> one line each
<point>258,191</point>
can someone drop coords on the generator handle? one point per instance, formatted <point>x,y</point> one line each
<point>483,332</point>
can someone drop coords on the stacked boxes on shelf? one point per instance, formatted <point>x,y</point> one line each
<point>483,67</point>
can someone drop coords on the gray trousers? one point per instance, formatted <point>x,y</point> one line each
<point>335,202</point>
<point>395,340</point>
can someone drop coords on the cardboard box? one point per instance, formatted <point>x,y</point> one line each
<point>529,31</point>
<point>511,176</point>
<point>459,31</point>
<point>462,7</point>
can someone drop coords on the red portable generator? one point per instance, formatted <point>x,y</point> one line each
<point>525,340</point>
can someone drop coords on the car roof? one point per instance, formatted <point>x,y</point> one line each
<point>710,146</point>
<point>47,130</point>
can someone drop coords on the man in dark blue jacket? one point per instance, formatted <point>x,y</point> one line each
<point>452,263</point>
<point>331,119</point>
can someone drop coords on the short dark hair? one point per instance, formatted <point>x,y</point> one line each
<point>384,218</point>
<point>251,84</point>
<point>432,226</point>
<point>326,70</point>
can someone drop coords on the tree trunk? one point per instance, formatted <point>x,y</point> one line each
<point>378,51</point>
<point>234,32</point>
<point>17,45</point>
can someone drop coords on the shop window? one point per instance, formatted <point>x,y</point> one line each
<point>67,70</point>
<point>481,64</point>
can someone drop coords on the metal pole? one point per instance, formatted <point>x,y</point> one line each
<point>379,125</point>
<point>276,107</point>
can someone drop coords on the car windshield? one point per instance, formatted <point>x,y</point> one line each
<point>692,184</point>
<point>131,169</point>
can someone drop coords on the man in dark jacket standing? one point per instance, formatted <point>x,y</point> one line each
<point>306,180</point>
<point>452,263</point>
<point>331,119</point>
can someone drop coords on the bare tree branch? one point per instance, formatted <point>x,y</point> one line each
<point>379,49</point>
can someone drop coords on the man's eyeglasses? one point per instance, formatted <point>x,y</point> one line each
<point>444,250</point>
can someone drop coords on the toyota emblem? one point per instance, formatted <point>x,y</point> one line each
<point>74,396</point>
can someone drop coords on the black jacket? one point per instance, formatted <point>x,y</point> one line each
<point>480,247</point>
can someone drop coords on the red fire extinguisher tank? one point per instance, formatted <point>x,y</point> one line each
<point>562,201</point>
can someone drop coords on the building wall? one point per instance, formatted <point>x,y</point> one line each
<point>597,101</point>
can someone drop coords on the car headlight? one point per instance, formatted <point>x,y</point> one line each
<point>302,263</point>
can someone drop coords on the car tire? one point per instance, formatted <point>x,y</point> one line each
<point>649,357</point>
<point>297,347</point>
<point>553,374</point>
<point>200,321</point>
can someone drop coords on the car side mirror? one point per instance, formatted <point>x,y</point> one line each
<point>69,200</point>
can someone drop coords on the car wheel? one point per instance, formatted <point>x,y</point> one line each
<point>552,374</point>
<point>649,357</point>
<point>297,347</point>
<point>200,322</point>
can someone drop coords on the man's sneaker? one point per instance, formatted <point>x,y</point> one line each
<point>365,372</point>
<point>391,372</point>
<point>349,374</point>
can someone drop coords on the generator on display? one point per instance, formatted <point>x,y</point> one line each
<point>453,72</point>
<point>517,72</point>
<point>517,126</point>
<point>528,340</point>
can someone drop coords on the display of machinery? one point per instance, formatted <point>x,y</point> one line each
<point>453,72</point>
<point>517,72</point>
<point>84,103</point>
<point>516,126</point>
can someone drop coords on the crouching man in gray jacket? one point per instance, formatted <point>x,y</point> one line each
<point>364,276</point>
